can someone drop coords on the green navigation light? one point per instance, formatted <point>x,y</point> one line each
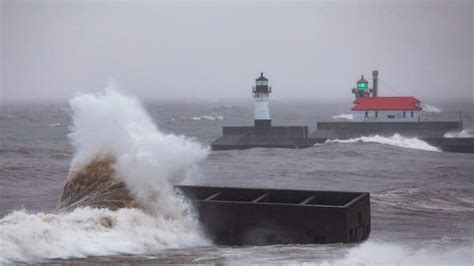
<point>362,85</point>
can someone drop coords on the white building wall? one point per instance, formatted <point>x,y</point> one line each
<point>262,110</point>
<point>386,116</point>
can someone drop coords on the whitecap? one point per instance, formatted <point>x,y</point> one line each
<point>344,116</point>
<point>211,117</point>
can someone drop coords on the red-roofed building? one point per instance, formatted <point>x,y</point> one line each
<point>386,103</point>
<point>396,109</point>
<point>368,107</point>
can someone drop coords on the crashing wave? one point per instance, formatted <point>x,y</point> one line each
<point>119,196</point>
<point>86,232</point>
<point>465,133</point>
<point>395,140</point>
<point>344,116</point>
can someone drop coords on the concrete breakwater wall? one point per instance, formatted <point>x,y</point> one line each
<point>281,131</point>
<point>347,130</point>
<point>462,145</point>
<point>294,137</point>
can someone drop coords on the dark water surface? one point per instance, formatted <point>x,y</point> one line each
<point>422,201</point>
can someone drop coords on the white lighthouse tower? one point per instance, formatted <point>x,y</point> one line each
<point>261,94</point>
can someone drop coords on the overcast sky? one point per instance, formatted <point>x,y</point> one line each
<point>215,50</point>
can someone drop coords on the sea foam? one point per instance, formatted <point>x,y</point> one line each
<point>382,253</point>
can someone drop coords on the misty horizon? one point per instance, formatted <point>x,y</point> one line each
<point>213,51</point>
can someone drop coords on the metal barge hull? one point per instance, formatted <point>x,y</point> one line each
<point>242,216</point>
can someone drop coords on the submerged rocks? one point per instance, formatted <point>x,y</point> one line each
<point>96,185</point>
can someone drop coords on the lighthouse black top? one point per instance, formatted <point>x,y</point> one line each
<point>261,85</point>
<point>261,78</point>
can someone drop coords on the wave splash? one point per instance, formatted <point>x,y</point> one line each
<point>395,140</point>
<point>430,108</point>
<point>465,133</point>
<point>119,196</point>
<point>88,232</point>
<point>344,116</point>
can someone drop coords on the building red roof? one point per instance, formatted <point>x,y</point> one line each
<point>386,103</point>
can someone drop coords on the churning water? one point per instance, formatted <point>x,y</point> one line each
<point>67,171</point>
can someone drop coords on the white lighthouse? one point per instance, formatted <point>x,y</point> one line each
<point>261,94</point>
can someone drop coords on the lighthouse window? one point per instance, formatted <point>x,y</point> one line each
<point>366,114</point>
<point>262,83</point>
<point>404,114</point>
<point>412,114</point>
<point>376,114</point>
<point>390,116</point>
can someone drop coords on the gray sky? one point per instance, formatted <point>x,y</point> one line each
<point>215,50</point>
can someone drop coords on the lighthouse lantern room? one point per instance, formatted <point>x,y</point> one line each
<point>261,94</point>
<point>362,89</point>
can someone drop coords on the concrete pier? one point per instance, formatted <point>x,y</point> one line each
<point>234,138</point>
